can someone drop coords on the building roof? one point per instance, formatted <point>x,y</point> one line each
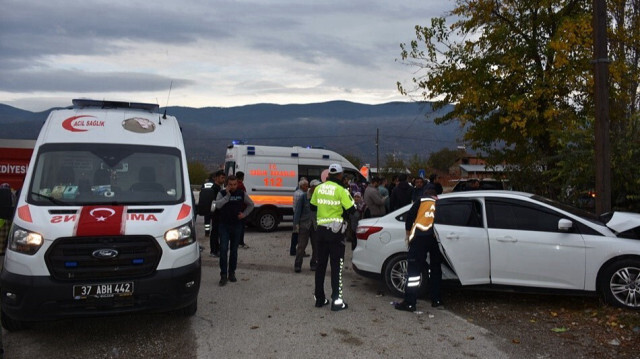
<point>482,168</point>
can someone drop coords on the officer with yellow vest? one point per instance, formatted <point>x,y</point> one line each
<point>333,206</point>
<point>422,240</point>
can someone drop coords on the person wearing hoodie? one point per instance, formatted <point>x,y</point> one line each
<point>401,194</point>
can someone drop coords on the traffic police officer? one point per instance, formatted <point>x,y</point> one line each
<point>333,205</point>
<point>422,240</point>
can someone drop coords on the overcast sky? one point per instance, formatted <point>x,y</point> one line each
<point>217,53</point>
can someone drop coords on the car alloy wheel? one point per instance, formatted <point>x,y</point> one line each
<point>625,286</point>
<point>620,283</point>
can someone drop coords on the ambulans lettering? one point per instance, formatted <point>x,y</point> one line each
<point>64,219</point>
<point>130,217</point>
<point>141,217</point>
<point>81,123</point>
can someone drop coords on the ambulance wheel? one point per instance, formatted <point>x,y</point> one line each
<point>267,220</point>
<point>13,325</point>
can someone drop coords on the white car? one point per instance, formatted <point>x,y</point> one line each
<point>514,240</point>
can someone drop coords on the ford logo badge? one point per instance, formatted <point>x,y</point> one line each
<point>106,253</point>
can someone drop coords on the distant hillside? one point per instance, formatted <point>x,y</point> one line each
<point>345,127</point>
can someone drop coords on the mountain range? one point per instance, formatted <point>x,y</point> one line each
<point>402,128</point>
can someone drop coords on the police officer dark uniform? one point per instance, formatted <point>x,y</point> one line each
<point>422,240</point>
<point>207,196</point>
<point>332,204</point>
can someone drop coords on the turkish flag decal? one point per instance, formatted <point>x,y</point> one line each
<point>101,221</point>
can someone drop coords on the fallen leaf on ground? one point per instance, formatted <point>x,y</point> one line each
<point>559,330</point>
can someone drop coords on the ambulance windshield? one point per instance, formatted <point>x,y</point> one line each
<point>89,173</point>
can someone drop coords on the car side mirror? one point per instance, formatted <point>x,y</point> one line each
<point>565,225</point>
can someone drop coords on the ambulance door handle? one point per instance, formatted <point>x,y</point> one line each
<point>506,239</point>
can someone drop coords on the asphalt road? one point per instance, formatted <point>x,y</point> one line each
<point>268,313</point>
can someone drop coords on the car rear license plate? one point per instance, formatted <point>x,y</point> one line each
<point>102,290</point>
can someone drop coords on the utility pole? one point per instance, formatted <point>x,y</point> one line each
<point>377,152</point>
<point>601,92</point>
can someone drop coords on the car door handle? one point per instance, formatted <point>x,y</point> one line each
<point>452,236</point>
<point>506,239</point>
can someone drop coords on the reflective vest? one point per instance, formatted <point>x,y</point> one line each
<point>425,217</point>
<point>331,199</point>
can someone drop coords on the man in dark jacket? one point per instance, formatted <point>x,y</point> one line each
<point>434,184</point>
<point>401,194</point>
<point>229,206</point>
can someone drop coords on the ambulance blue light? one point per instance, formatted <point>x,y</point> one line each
<point>70,264</point>
<point>138,261</point>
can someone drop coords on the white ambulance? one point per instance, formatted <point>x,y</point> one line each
<point>272,174</point>
<point>104,222</point>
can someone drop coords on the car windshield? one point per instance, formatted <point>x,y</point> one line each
<point>86,174</point>
<point>573,210</point>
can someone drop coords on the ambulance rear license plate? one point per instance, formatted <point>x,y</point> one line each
<point>102,290</point>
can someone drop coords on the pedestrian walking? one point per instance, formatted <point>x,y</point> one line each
<point>332,203</point>
<point>229,204</point>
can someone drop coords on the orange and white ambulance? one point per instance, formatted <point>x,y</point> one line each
<point>272,174</point>
<point>104,222</point>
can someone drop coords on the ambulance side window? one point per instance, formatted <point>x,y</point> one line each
<point>310,172</point>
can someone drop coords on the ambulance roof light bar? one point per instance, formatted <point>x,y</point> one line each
<point>85,103</point>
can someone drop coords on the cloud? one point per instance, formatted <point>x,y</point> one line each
<point>80,81</point>
<point>218,52</point>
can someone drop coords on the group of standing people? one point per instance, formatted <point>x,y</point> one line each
<point>380,199</point>
<point>324,214</point>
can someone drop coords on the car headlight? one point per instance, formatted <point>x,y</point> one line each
<point>179,237</point>
<point>24,241</point>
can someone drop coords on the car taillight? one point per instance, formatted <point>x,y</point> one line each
<point>363,232</point>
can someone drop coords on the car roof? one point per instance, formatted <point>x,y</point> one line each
<point>482,193</point>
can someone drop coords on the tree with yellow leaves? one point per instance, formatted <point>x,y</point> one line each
<point>519,74</point>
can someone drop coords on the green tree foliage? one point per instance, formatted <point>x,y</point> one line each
<point>197,172</point>
<point>624,69</point>
<point>520,75</point>
<point>443,159</point>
